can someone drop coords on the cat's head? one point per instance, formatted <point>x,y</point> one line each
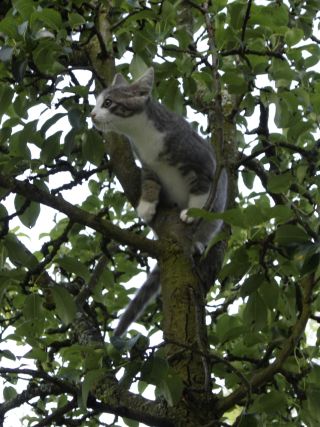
<point>121,101</point>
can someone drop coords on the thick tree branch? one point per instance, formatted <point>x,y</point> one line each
<point>124,403</point>
<point>75,214</point>
<point>114,399</point>
<point>31,392</point>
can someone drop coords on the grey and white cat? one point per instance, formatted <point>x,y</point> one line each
<point>176,163</point>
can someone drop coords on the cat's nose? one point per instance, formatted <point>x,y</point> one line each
<point>92,114</point>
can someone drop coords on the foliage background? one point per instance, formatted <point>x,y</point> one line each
<point>234,62</point>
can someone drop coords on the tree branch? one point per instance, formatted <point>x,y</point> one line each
<point>67,387</point>
<point>57,415</point>
<point>245,51</point>
<point>245,21</point>
<point>31,192</point>
<point>124,403</point>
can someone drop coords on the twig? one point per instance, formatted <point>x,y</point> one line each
<point>245,51</point>
<point>56,244</point>
<point>88,288</point>
<point>57,415</point>
<point>245,21</point>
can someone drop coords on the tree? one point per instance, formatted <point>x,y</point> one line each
<point>233,347</point>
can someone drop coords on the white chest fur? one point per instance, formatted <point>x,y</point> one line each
<point>173,182</point>
<point>149,143</point>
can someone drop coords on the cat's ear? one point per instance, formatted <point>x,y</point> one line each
<point>119,80</point>
<point>145,82</point>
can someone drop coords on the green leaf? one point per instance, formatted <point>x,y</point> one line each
<point>130,422</point>
<point>72,265</point>
<point>93,148</point>
<point>65,305</point>
<point>281,70</point>
<point>8,25</point>
<point>91,379</point>
<point>34,315</point>
<point>238,265</point>
<point>19,67</point>
<point>269,403</point>
<point>271,17</point>
<point>7,354</point>
<point>19,147</point>
<point>18,253</point>
<point>31,213</point>
<point>279,183</point>
<point>155,370</point>
<point>37,354</point>
<point>75,20</point>
<point>270,294</point>
<point>76,118</point>
<point>235,81</point>
<point>228,328</point>
<point>313,396</point>
<point>298,129</point>
<point>32,308</point>
<point>51,18</point>
<point>217,5</point>
<point>24,7</point>
<point>288,235</point>
<point>9,393</point>
<point>21,109</point>
<point>255,312</point>
<point>46,56</point>
<point>172,388</point>
<point>6,95</point>
<point>248,178</point>
<point>237,11</point>
<point>251,284</point>
<point>293,36</point>
<point>281,213</point>
<point>282,117</point>
<point>310,264</point>
<point>78,90</point>
<point>51,148</point>
<point>3,211</point>
<point>137,67</point>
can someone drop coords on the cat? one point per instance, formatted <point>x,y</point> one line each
<point>177,164</point>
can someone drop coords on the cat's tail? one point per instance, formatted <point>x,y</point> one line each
<point>149,290</point>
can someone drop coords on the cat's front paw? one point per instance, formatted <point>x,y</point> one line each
<point>146,210</point>
<point>185,218</point>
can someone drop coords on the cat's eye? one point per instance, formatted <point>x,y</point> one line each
<point>107,103</point>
